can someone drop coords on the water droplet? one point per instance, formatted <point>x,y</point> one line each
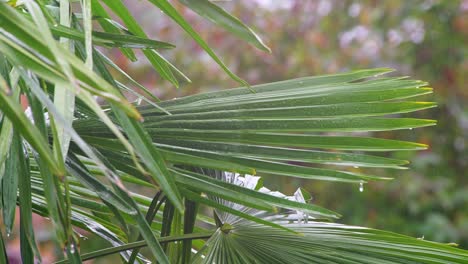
<point>8,234</point>
<point>356,167</point>
<point>72,248</point>
<point>411,128</point>
<point>139,101</point>
<point>361,187</point>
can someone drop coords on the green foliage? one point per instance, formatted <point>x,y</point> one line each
<point>197,153</point>
<point>423,39</point>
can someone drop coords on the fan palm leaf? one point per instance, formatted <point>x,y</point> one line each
<point>241,241</point>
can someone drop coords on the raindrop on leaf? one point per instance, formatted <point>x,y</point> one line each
<point>72,248</point>
<point>361,187</point>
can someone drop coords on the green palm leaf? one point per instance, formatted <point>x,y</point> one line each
<point>264,132</point>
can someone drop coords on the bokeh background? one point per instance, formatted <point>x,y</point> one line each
<point>424,39</point>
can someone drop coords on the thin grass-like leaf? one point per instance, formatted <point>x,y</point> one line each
<point>169,10</point>
<point>44,66</point>
<point>193,180</point>
<point>144,148</point>
<point>77,139</point>
<point>55,202</point>
<point>139,244</point>
<point>80,172</point>
<point>222,18</point>
<point>29,249</point>
<point>88,32</point>
<point>146,231</point>
<point>6,131</point>
<point>110,26</point>
<point>3,252</point>
<point>10,183</point>
<point>225,193</point>
<point>150,214</point>
<point>190,217</point>
<point>64,94</point>
<point>109,62</point>
<point>154,58</point>
<point>111,39</point>
<point>22,125</point>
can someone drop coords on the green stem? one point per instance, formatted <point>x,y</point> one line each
<point>137,244</point>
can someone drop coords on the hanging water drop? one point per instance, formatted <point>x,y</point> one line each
<point>139,101</point>
<point>361,187</point>
<point>8,233</point>
<point>72,248</point>
<point>356,167</point>
<point>410,128</point>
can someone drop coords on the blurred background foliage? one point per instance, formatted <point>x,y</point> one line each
<point>424,39</point>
